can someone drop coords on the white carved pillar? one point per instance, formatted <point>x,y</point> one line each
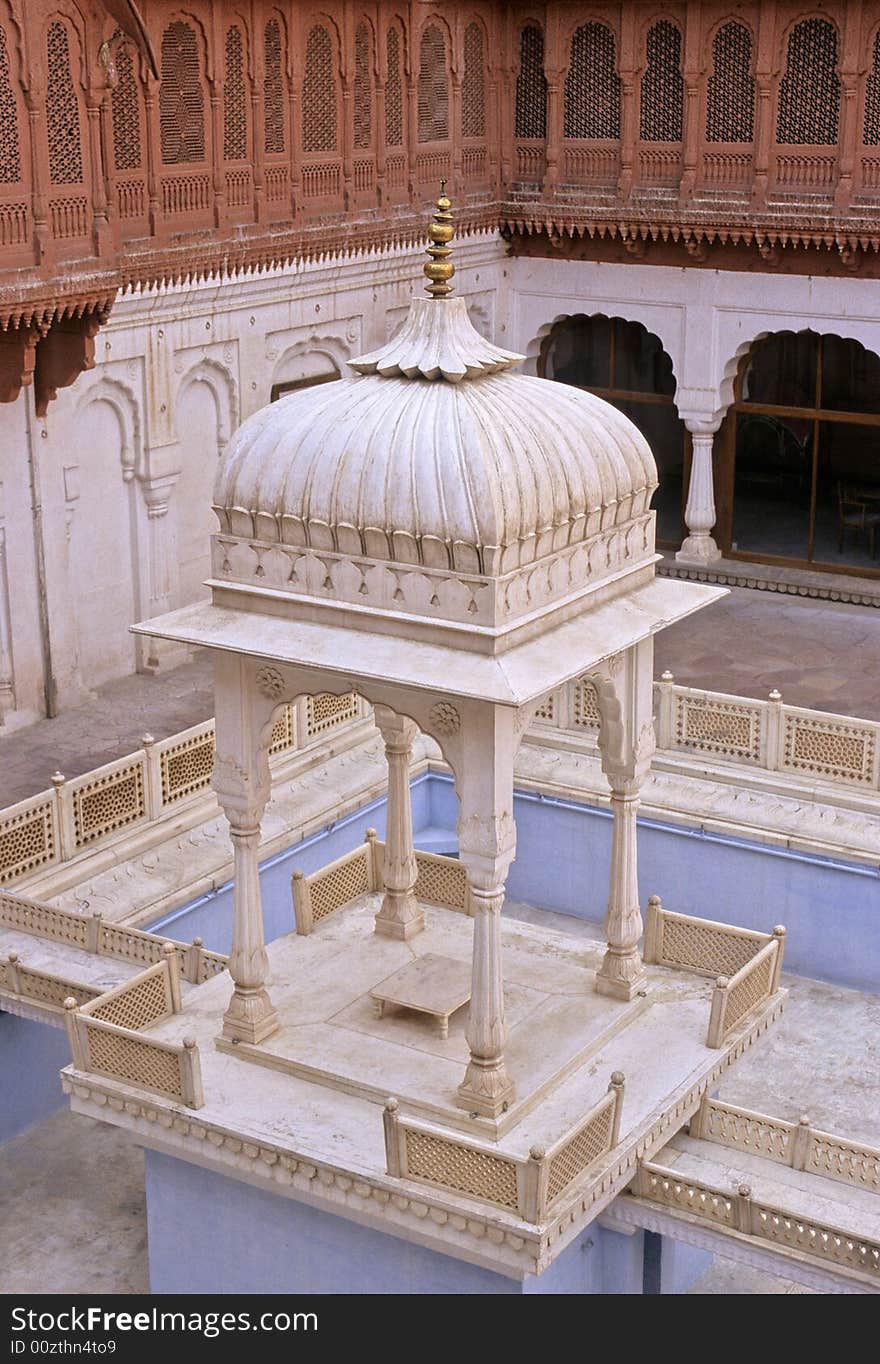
<point>400,915</point>
<point>487,842</point>
<point>241,780</point>
<point>699,546</point>
<point>626,744</point>
<point>486,1088</point>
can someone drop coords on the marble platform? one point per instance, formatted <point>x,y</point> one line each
<point>302,1113</point>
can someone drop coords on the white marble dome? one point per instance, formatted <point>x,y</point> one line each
<point>435,454</point>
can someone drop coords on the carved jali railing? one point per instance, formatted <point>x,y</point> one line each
<point>530,1187</point>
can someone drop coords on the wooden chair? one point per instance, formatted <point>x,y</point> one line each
<point>856,513</point>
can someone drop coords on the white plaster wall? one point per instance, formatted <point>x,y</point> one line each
<point>99,535</point>
<point>21,663</point>
<point>126,456</point>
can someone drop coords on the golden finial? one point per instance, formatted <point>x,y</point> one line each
<point>440,269</point>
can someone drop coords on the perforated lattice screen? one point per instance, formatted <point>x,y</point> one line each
<point>273,88</point>
<point>473,85</point>
<point>125,108</point>
<point>62,112</point>
<point>592,86</point>
<point>27,840</point>
<point>181,98</point>
<point>10,157</point>
<point>531,86</point>
<point>234,107</point>
<point>393,92</point>
<point>579,1153</point>
<point>871,131</point>
<point>433,87</point>
<point>662,86</point>
<point>809,92</point>
<point>319,94</point>
<point>730,94</point>
<point>363,88</point>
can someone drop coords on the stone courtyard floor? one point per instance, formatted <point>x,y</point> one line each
<point>820,654</point>
<point>71,1189</point>
<point>104,728</point>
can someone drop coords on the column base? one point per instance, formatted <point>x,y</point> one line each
<point>402,918</point>
<point>486,1089</point>
<point>620,989</point>
<point>250,1017</point>
<point>621,977</point>
<point>698,549</point>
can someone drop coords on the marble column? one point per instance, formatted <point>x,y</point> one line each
<point>250,1015</point>
<point>487,1088</point>
<point>483,767</point>
<point>242,782</point>
<point>622,974</point>
<point>626,746</point>
<point>699,546</point>
<point>400,915</point>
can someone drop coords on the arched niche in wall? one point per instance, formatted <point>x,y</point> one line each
<point>207,413</point>
<point>625,364</point>
<point>314,360</point>
<point>304,371</point>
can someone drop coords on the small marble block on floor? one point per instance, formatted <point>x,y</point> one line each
<point>431,984</point>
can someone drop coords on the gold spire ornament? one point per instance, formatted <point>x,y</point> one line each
<point>440,269</point>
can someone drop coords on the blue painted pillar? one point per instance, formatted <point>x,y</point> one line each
<point>212,1234</point>
<point>671,1266</point>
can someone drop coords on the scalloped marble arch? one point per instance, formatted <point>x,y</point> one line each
<point>736,363</point>
<point>533,349</point>
<point>861,330</point>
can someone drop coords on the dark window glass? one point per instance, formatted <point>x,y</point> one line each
<point>783,371</point>
<point>613,357</point>
<point>774,459</point>
<point>850,376</point>
<point>580,353</point>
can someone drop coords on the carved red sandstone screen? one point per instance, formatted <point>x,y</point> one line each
<point>277,130</point>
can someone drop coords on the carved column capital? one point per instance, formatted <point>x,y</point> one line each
<point>157,495</point>
<point>398,731</point>
<point>242,795</point>
<point>487,846</point>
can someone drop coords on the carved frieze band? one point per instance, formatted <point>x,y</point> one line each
<point>414,589</point>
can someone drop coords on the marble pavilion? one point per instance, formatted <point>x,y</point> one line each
<point>451,541</point>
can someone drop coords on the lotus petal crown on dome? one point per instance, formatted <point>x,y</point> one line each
<point>437,341</point>
<point>478,499</point>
